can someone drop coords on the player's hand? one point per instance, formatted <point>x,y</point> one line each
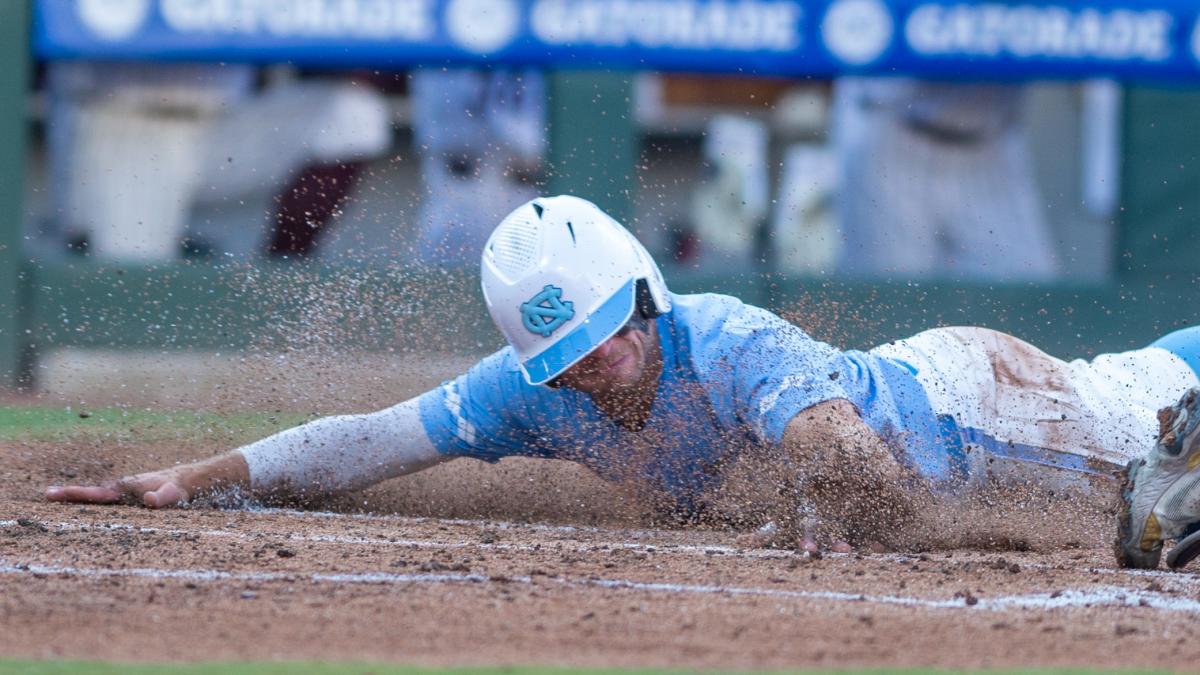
<point>811,543</point>
<point>166,487</point>
<point>155,489</point>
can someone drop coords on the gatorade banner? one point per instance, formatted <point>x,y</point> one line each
<point>1129,39</point>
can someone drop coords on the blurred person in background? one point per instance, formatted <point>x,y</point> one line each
<point>729,205</point>
<point>281,164</point>
<point>481,135</point>
<point>150,161</point>
<point>125,151</point>
<point>936,182</point>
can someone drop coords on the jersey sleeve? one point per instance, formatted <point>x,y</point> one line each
<point>480,414</point>
<point>760,370</point>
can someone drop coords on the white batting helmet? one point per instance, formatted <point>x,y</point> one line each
<point>560,277</point>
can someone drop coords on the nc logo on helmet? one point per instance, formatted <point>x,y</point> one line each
<point>545,312</point>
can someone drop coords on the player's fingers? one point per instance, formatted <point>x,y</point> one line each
<point>810,543</point>
<point>137,486</point>
<point>167,494</point>
<point>93,494</point>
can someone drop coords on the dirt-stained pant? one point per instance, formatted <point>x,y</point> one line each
<point>1024,415</point>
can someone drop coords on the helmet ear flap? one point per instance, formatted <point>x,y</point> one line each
<point>645,301</point>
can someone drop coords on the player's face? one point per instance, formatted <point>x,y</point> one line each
<point>620,362</point>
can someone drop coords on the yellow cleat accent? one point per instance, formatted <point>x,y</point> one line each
<point>1152,535</point>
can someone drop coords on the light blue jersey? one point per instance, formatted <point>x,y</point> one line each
<point>732,374</point>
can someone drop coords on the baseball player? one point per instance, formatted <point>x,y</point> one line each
<point>482,140</point>
<point>607,368</point>
<point>950,183</point>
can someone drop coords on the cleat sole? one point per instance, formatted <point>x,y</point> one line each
<point>1128,553</point>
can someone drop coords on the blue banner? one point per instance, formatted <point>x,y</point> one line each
<point>1130,39</point>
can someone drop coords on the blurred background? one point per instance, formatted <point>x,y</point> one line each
<point>192,176</point>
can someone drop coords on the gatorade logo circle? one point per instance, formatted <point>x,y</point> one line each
<point>113,19</point>
<point>482,26</point>
<point>857,31</point>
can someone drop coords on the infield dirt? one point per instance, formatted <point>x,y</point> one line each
<point>124,583</point>
<point>535,562</point>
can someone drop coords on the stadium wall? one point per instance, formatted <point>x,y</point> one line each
<point>593,140</point>
<point>1160,222</point>
<point>199,306</point>
<point>14,84</point>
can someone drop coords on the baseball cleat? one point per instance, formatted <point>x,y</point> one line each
<point>1160,493</point>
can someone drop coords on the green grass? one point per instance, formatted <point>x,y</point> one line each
<point>301,668</point>
<point>135,424</point>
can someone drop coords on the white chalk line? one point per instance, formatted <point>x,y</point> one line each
<point>1176,578</point>
<point>730,551</point>
<point>1107,596</point>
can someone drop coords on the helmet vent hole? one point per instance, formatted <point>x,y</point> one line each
<point>515,246</point>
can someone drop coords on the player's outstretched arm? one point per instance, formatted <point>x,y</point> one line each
<point>326,456</point>
<point>167,487</point>
<point>850,487</point>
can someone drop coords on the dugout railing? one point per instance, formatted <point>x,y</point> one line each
<point>193,304</point>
